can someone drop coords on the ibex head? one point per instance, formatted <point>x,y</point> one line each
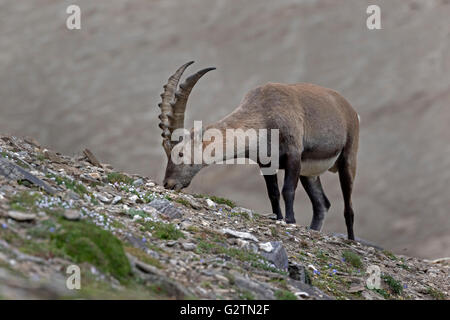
<point>173,106</point>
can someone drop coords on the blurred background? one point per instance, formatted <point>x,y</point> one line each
<point>98,87</point>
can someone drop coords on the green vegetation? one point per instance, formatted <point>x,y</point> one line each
<point>85,242</point>
<point>73,185</point>
<point>255,260</point>
<point>144,257</point>
<point>390,255</point>
<point>114,177</point>
<point>25,201</point>
<point>436,294</point>
<point>184,202</point>
<point>352,258</point>
<point>285,295</point>
<point>383,292</point>
<point>246,295</point>
<point>217,200</point>
<point>161,230</point>
<point>395,286</point>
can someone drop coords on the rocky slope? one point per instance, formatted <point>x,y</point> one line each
<point>133,239</point>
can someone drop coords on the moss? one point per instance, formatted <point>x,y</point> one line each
<point>395,286</point>
<point>116,177</point>
<point>85,242</point>
<point>184,202</point>
<point>274,231</point>
<point>352,258</point>
<point>246,295</point>
<point>25,201</point>
<point>436,294</point>
<point>70,184</point>
<point>383,292</point>
<point>390,255</point>
<point>161,230</point>
<point>245,215</point>
<point>255,260</point>
<point>284,295</point>
<point>144,257</point>
<point>220,200</point>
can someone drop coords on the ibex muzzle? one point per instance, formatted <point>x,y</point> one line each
<point>318,132</point>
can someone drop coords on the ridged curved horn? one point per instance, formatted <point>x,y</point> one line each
<point>181,98</point>
<point>166,107</point>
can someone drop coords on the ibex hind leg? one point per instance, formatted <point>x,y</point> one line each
<point>319,200</point>
<point>347,170</point>
<point>291,177</point>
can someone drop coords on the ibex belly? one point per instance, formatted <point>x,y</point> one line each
<point>315,167</point>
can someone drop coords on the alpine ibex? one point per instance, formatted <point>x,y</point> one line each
<point>318,131</point>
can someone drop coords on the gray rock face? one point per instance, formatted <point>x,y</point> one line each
<point>167,208</point>
<point>277,255</point>
<point>299,273</point>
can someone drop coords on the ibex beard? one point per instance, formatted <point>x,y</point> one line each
<point>312,130</point>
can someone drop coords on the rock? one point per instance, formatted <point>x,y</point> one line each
<point>116,200</point>
<point>277,256</point>
<point>103,199</point>
<point>171,243</point>
<point>267,246</point>
<point>72,215</point>
<point>260,290</point>
<point>243,210</point>
<point>72,195</point>
<point>298,272</point>
<point>356,288</point>
<point>138,182</point>
<point>95,175</point>
<point>133,198</point>
<point>21,216</point>
<point>167,208</point>
<point>222,278</point>
<point>188,246</point>
<point>239,234</point>
<point>210,203</point>
<point>91,158</point>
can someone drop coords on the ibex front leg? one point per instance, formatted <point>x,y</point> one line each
<point>291,177</point>
<point>274,194</point>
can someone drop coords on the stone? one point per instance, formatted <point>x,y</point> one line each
<point>239,234</point>
<point>210,203</point>
<point>277,256</point>
<point>21,216</point>
<point>138,182</point>
<point>72,215</point>
<point>116,200</point>
<point>188,246</point>
<point>243,210</point>
<point>167,208</point>
<point>298,272</point>
<point>267,246</point>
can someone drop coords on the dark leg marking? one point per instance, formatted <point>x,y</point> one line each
<point>319,200</point>
<point>291,176</point>
<point>274,194</point>
<point>346,175</point>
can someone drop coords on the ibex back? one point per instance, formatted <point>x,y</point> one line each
<point>318,132</point>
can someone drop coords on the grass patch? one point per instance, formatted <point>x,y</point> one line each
<point>220,200</point>
<point>390,255</point>
<point>85,242</point>
<point>246,295</point>
<point>73,185</point>
<point>25,201</point>
<point>352,258</point>
<point>163,231</point>
<point>383,292</point>
<point>285,295</point>
<point>144,257</point>
<point>395,286</point>
<point>255,260</point>
<point>184,202</point>
<point>114,177</point>
<point>436,294</point>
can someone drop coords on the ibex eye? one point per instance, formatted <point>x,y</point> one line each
<point>181,154</point>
